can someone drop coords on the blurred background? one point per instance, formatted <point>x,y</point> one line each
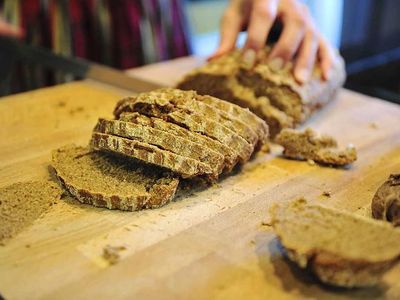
<point>128,34</point>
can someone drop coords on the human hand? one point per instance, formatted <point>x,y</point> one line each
<point>299,40</point>
<point>9,30</point>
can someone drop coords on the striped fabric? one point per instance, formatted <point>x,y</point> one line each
<point>119,33</point>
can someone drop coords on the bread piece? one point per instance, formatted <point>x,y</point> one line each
<point>386,202</point>
<point>113,182</point>
<point>229,155</point>
<point>164,141</point>
<point>161,104</point>
<point>184,166</point>
<point>306,145</point>
<point>278,88</point>
<point>23,202</point>
<point>340,248</point>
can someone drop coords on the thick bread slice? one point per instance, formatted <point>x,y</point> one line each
<point>164,141</point>
<point>184,166</point>
<point>22,203</point>
<point>340,248</point>
<point>307,145</point>
<point>113,182</point>
<point>386,202</point>
<point>159,104</point>
<point>230,157</point>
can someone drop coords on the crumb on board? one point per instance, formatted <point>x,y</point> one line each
<point>266,223</point>
<point>326,194</point>
<point>111,253</point>
<point>311,162</point>
<point>373,125</point>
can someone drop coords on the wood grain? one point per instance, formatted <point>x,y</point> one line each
<point>209,244</point>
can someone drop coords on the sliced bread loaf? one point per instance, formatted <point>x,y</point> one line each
<point>163,140</point>
<point>184,166</point>
<point>110,181</point>
<point>161,104</point>
<point>227,78</point>
<point>23,202</point>
<point>230,158</point>
<point>306,144</point>
<point>340,248</point>
<point>386,202</point>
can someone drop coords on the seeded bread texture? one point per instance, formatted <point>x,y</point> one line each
<point>164,141</point>
<point>230,158</point>
<point>22,203</point>
<point>164,103</point>
<point>261,88</point>
<point>340,248</point>
<point>306,145</point>
<point>185,167</point>
<point>111,181</point>
<point>386,202</point>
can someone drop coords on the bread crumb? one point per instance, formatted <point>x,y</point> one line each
<point>327,194</point>
<point>311,162</point>
<point>373,125</point>
<point>266,223</point>
<point>111,253</point>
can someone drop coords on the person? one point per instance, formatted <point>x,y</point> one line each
<point>300,40</point>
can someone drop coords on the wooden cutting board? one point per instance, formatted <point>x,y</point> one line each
<point>209,244</point>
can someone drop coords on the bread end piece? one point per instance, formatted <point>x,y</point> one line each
<point>340,248</point>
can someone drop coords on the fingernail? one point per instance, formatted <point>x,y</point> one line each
<point>276,64</point>
<point>302,75</point>
<point>249,58</point>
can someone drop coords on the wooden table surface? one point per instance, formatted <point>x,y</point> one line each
<point>211,244</point>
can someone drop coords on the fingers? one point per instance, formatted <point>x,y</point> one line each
<point>289,41</point>
<point>306,57</point>
<point>9,30</point>
<point>326,58</point>
<point>230,27</point>
<point>262,16</point>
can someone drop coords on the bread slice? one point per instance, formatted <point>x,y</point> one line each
<point>230,158</point>
<point>184,166</point>
<point>306,144</point>
<point>163,140</point>
<point>23,202</point>
<point>227,77</point>
<point>340,248</point>
<point>161,104</point>
<point>386,202</point>
<point>113,182</point>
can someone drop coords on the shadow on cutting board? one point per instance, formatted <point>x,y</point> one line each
<point>293,278</point>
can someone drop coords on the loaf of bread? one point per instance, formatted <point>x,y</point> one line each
<point>386,202</point>
<point>272,94</point>
<point>340,248</point>
<point>110,181</point>
<point>189,134</point>
<point>306,145</point>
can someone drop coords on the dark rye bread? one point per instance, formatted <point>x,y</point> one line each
<point>340,248</point>
<point>163,140</point>
<point>161,104</point>
<point>386,202</point>
<point>262,87</point>
<point>184,166</point>
<point>306,145</point>
<point>230,158</point>
<point>104,180</point>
